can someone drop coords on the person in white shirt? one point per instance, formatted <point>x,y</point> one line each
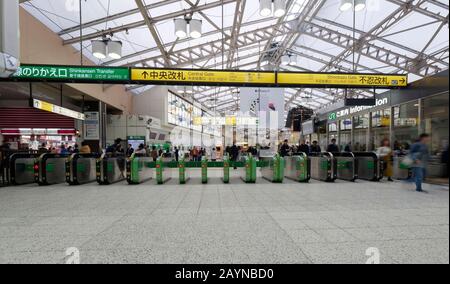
<point>213,154</point>
<point>385,153</point>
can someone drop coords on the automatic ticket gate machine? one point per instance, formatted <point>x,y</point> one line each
<point>248,169</point>
<point>111,169</point>
<point>18,168</point>
<point>369,166</point>
<point>347,166</point>
<point>81,168</point>
<point>298,167</point>
<point>140,169</point>
<point>323,167</point>
<point>272,168</point>
<point>50,169</point>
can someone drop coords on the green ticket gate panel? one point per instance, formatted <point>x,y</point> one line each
<point>50,169</point>
<point>161,175</point>
<point>81,168</point>
<point>248,171</point>
<point>111,169</point>
<point>346,165</point>
<point>226,169</point>
<point>323,167</point>
<point>184,174</point>
<point>139,169</point>
<point>204,167</point>
<point>369,166</point>
<point>401,172</point>
<point>19,168</point>
<point>272,169</point>
<point>298,168</point>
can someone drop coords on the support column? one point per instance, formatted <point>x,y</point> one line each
<point>102,107</point>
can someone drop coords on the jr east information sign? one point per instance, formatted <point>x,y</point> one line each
<point>72,73</point>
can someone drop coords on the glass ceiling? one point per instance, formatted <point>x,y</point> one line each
<point>390,36</point>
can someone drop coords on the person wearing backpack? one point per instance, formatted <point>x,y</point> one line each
<point>420,155</point>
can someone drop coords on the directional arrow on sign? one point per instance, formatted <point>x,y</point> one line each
<point>145,74</point>
<point>403,81</point>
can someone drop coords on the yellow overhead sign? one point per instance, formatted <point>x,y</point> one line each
<point>347,80</point>
<point>202,76</point>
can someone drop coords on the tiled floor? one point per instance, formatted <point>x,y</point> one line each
<point>217,223</point>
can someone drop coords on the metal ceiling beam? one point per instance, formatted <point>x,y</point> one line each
<point>380,38</point>
<point>213,49</point>
<point>180,41</point>
<point>154,20</point>
<point>235,31</point>
<point>365,48</point>
<point>421,10</point>
<point>149,22</point>
<point>115,17</point>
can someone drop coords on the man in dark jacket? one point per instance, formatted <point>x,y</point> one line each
<point>284,150</point>
<point>304,148</point>
<point>315,148</point>
<point>333,148</point>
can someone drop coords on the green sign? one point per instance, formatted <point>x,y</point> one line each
<point>68,73</point>
<point>332,116</point>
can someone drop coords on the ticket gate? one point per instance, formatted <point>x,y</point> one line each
<point>110,169</point>
<point>272,168</point>
<point>323,167</point>
<point>81,168</point>
<point>248,169</point>
<point>185,168</point>
<point>298,167</point>
<point>50,169</point>
<point>18,168</point>
<point>347,166</point>
<point>401,172</point>
<point>369,166</point>
<point>139,169</point>
<point>226,169</point>
<point>161,175</point>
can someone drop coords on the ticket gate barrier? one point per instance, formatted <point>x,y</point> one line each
<point>248,171</point>
<point>184,174</point>
<point>160,166</point>
<point>81,169</point>
<point>50,169</point>
<point>369,166</point>
<point>298,167</point>
<point>139,169</point>
<point>18,168</point>
<point>226,169</point>
<point>401,172</point>
<point>203,165</point>
<point>347,166</point>
<point>110,169</point>
<point>323,167</point>
<point>272,169</point>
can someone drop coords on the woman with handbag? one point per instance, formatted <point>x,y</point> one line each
<point>385,153</point>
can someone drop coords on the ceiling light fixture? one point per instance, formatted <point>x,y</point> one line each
<point>277,7</point>
<point>181,27</point>
<point>101,49</point>
<point>360,5</point>
<point>347,5</point>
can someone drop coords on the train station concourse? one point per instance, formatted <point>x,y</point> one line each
<point>224,132</point>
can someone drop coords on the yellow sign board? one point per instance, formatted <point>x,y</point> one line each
<point>347,80</point>
<point>203,76</point>
<point>45,106</point>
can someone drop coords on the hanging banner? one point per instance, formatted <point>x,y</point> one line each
<point>180,76</point>
<point>343,80</point>
<point>57,109</point>
<point>75,73</point>
<point>266,103</point>
<point>92,126</point>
